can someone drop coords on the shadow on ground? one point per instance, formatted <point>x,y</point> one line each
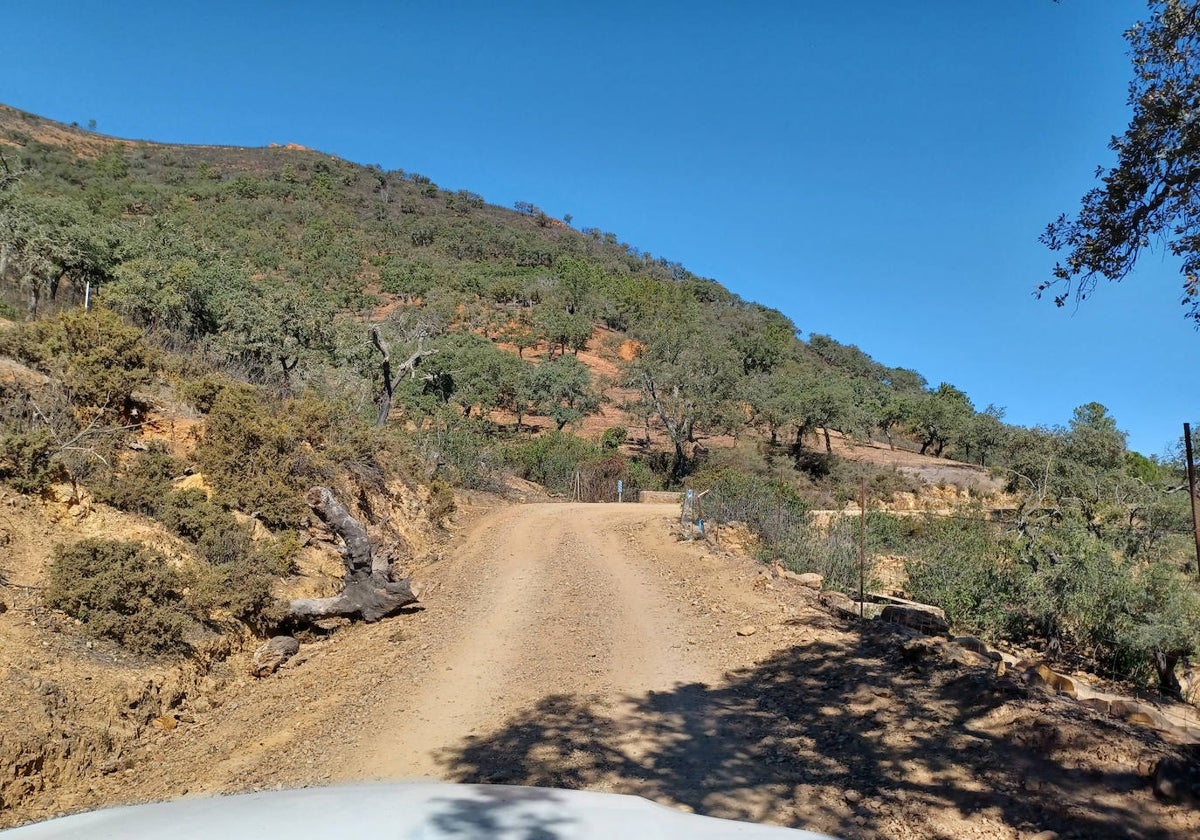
<point>850,739</point>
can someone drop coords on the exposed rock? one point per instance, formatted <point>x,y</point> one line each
<point>965,656</point>
<point>194,481</point>
<point>927,619</point>
<point>972,643</point>
<point>747,630</point>
<point>867,610</point>
<point>274,653</point>
<point>839,602</point>
<point>917,649</point>
<point>810,579</point>
<point>734,537</point>
<point>1040,674</point>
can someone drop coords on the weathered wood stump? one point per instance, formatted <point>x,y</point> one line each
<point>273,653</point>
<point>369,592</point>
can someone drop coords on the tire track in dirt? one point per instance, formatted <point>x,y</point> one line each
<point>558,604</point>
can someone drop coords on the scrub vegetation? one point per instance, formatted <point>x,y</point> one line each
<point>332,322</point>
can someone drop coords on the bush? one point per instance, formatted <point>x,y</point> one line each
<point>100,357</point>
<point>956,564</point>
<point>142,487</point>
<point>191,515</point>
<point>551,459</point>
<point>236,589</point>
<point>27,459</point>
<point>642,477</point>
<point>458,451</point>
<point>259,457</point>
<point>771,508</point>
<point>441,500</point>
<point>235,577</point>
<point>123,591</point>
<point>202,393</point>
<point>831,552</point>
<point>41,440</point>
<point>612,438</point>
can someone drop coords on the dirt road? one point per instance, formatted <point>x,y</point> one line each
<point>584,646</point>
<point>553,599</point>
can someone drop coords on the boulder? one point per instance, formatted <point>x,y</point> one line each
<point>839,602</point>
<point>1041,675</point>
<point>926,619</point>
<point>810,579</point>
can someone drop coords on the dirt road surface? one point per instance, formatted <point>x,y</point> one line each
<point>586,646</point>
<point>561,600</point>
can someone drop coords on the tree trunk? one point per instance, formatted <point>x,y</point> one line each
<point>1164,664</point>
<point>678,461</point>
<point>828,445</point>
<point>288,367</point>
<point>408,366</point>
<point>385,370</point>
<point>369,592</point>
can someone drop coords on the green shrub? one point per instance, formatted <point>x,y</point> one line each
<point>642,477</point>
<point>613,438</point>
<point>831,551</point>
<point>144,485</point>
<point>190,514</point>
<point>551,459</point>
<point>123,591</point>
<point>100,357</point>
<point>441,500</point>
<point>236,589</point>
<point>236,575</point>
<point>28,459</point>
<point>202,393</point>
<point>458,450</point>
<point>957,564</point>
<point>771,508</point>
<point>260,457</point>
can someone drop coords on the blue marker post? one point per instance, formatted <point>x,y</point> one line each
<point>620,490</point>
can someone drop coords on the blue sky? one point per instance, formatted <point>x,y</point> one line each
<point>879,171</point>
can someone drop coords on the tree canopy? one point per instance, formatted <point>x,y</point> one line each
<point>1151,192</point>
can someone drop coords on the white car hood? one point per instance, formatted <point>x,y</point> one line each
<point>402,811</point>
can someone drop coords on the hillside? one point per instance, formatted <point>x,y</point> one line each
<point>585,646</point>
<point>194,338</point>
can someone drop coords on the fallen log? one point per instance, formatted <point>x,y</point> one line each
<point>369,592</point>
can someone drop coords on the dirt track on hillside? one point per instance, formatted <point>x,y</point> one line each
<point>555,602</point>
<point>584,646</point>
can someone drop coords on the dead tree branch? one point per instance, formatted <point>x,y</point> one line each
<point>369,592</point>
<point>408,366</point>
